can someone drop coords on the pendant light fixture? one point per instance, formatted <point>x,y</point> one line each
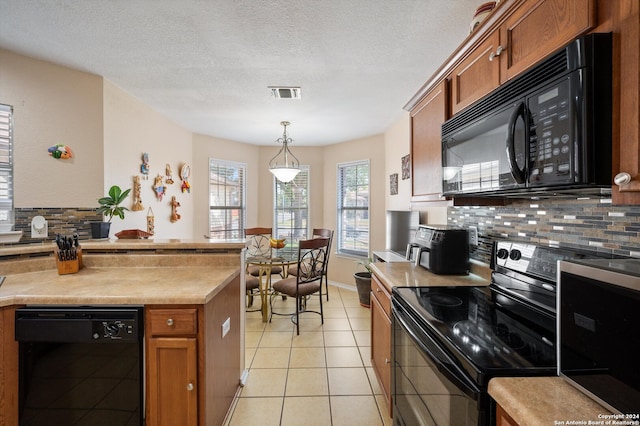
<point>284,166</point>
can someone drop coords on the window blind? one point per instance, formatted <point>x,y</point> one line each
<point>291,202</point>
<point>6,163</point>
<point>226,199</point>
<point>353,208</point>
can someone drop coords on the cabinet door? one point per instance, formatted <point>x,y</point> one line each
<point>538,28</point>
<point>381,347</point>
<point>172,382</point>
<point>476,75</point>
<point>426,152</point>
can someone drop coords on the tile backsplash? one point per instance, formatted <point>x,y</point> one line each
<point>593,225</point>
<point>64,221</point>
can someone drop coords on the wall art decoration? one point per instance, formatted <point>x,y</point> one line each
<point>174,209</point>
<point>393,184</point>
<point>144,167</point>
<point>60,151</point>
<point>137,201</point>
<point>406,167</point>
<point>159,188</point>
<point>151,227</point>
<point>169,173</point>
<point>185,171</point>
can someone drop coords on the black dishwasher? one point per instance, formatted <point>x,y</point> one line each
<point>80,365</point>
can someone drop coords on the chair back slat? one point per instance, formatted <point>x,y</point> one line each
<point>312,259</point>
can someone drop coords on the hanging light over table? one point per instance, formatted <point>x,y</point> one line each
<point>284,166</point>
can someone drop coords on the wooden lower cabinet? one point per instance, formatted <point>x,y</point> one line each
<point>172,369</point>
<point>8,368</point>
<point>193,370</point>
<point>381,337</point>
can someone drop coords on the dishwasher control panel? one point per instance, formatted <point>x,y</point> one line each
<point>79,324</point>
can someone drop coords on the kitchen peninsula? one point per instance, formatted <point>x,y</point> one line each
<point>189,290</point>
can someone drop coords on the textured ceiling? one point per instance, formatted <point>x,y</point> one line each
<point>207,64</point>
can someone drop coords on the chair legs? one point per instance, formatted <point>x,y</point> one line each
<point>300,307</point>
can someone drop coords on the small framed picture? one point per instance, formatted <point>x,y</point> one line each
<point>406,167</point>
<point>393,184</point>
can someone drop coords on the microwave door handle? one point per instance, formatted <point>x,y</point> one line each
<point>517,174</point>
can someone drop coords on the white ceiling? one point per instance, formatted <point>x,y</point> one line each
<point>207,64</point>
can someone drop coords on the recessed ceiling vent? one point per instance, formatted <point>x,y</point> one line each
<point>285,92</point>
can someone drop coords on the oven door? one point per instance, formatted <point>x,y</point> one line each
<point>428,387</point>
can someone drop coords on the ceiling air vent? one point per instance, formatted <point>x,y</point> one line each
<point>285,92</point>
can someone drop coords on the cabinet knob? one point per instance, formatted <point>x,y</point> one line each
<point>170,322</point>
<point>190,387</point>
<point>378,290</point>
<point>622,178</point>
<point>387,361</point>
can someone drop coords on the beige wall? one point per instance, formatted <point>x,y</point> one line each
<point>54,105</point>
<point>372,148</point>
<point>206,147</point>
<point>131,128</point>
<point>110,129</point>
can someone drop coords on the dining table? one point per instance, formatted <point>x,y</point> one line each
<point>281,258</point>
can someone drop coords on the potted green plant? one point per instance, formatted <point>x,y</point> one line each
<point>363,282</point>
<point>109,207</point>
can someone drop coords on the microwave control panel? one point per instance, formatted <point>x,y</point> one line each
<point>550,135</point>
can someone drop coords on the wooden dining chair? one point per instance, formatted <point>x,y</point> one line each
<point>259,245</point>
<point>312,265</point>
<point>324,233</point>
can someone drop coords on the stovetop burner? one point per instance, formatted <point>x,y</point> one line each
<point>487,339</point>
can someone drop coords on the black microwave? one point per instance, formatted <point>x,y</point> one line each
<point>598,319</point>
<point>547,130</point>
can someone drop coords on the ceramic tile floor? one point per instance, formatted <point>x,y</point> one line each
<point>321,377</point>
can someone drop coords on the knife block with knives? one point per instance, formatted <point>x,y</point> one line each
<point>68,255</point>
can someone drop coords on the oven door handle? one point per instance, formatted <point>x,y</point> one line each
<point>443,362</point>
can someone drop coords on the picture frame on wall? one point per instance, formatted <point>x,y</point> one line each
<point>406,167</point>
<point>393,184</point>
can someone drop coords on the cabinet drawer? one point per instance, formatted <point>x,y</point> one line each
<point>172,322</point>
<point>381,294</point>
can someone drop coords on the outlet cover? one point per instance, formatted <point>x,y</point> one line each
<point>226,326</point>
<point>473,235</point>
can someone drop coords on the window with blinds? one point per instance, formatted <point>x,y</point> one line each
<point>6,164</point>
<point>353,208</point>
<point>291,218</point>
<point>226,199</point>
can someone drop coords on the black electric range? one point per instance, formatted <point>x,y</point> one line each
<point>448,342</point>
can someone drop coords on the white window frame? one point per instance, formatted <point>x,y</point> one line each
<point>228,231</point>
<point>6,167</point>
<point>280,232</point>
<point>346,240</point>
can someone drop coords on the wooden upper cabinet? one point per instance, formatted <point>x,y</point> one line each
<point>532,31</point>
<point>477,75</point>
<point>538,28</point>
<point>426,152</point>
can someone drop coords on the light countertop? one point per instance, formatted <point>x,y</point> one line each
<point>117,285</point>
<point>545,401</point>
<point>406,274</point>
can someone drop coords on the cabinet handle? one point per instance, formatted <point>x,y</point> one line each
<point>622,178</point>
<point>378,290</point>
<point>190,387</point>
<point>387,361</point>
<point>170,322</point>
<point>498,51</point>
